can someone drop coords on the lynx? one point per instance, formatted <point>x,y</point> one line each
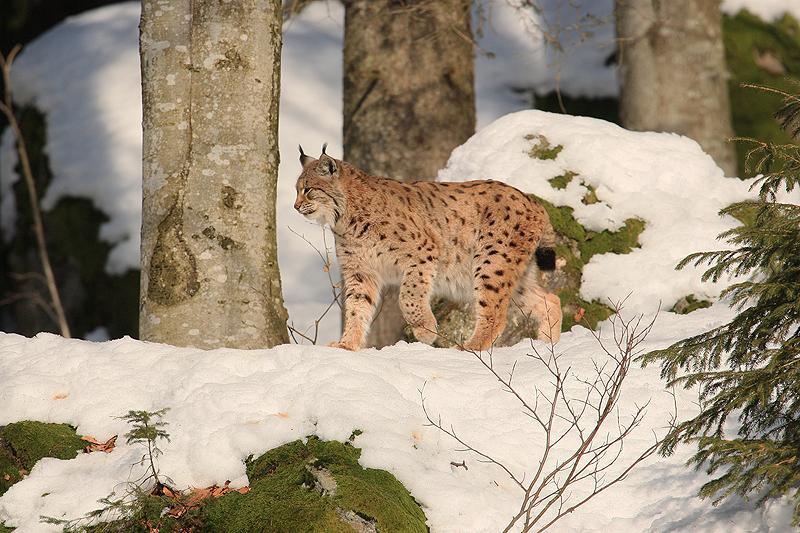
<point>477,241</point>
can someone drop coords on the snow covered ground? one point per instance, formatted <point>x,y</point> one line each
<point>228,404</point>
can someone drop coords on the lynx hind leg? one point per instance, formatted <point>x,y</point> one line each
<point>540,305</point>
<point>415,301</point>
<point>361,295</point>
<point>494,276</point>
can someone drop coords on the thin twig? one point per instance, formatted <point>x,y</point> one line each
<point>6,107</point>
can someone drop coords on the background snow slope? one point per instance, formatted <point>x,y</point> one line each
<point>228,404</point>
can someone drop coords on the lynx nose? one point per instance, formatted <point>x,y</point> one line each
<point>297,204</point>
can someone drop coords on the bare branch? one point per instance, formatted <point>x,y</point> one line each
<point>7,108</point>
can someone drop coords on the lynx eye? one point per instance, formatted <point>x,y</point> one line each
<point>306,190</point>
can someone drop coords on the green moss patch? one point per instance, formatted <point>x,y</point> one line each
<point>24,443</point>
<point>689,303</point>
<point>541,148</point>
<point>577,245</point>
<point>283,496</point>
<point>317,486</point>
<point>561,181</point>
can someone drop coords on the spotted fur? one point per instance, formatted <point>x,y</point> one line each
<point>474,241</point>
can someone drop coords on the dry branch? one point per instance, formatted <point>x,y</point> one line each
<point>6,107</point>
<point>593,420</point>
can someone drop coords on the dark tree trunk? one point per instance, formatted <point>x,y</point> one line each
<point>409,98</point>
<point>673,72</point>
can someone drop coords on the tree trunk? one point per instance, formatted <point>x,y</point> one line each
<point>673,73</point>
<point>210,87</point>
<point>409,98</point>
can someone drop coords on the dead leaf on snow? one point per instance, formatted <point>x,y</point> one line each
<point>195,498</point>
<point>97,446</point>
<point>60,396</point>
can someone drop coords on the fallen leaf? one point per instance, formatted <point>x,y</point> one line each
<point>183,504</point>
<point>97,446</point>
<point>578,316</point>
<point>282,414</point>
<point>6,477</point>
<point>60,396</point>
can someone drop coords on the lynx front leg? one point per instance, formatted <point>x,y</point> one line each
<point>415,302</point>
<point>361,294</point>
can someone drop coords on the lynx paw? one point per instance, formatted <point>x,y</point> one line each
<point>475,345</point>
<point>344,345</point>
<point>426,334</point>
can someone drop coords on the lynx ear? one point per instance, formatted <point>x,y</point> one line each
<point>328,165</point>
<point>303,157</point>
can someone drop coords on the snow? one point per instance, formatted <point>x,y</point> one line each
<point>227,404</point>
<point>766,9</point>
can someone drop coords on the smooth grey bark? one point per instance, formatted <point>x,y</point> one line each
<point>409,98</point>
<point>673,74</point>
<point>210,88</point>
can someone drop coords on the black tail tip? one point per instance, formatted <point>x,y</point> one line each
<point>546,258</point>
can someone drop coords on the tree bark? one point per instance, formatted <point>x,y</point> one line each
<point>409,98</point>
<point>210,88</point>
<point>673,73</point>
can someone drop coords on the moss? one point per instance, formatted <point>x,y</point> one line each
<point>542,149</point>
<point>746,35</point>
<point>22,444</point>
<point>561,181</point>
<point>281,496</point>
<point>591,196</point>
<point>576,246</point>
<point>689,303</point>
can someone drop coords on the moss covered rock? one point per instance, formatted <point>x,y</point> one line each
<point>316,486</point>
<point>24,443</point>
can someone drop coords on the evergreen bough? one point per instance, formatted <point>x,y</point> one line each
<point>749,368</point>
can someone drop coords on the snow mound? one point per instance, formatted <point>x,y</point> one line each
<point>227,404</point>
<point>662,178</point>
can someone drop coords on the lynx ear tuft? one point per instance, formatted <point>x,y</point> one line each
<point>303,157</point>
<point>324,146</point>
